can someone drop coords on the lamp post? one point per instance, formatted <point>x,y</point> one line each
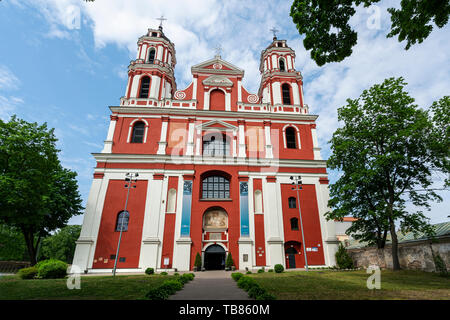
<point>297,185</point>
<point>130,178</point>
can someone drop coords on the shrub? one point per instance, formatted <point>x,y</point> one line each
<point>51,269</point>
<point>188,277</point>
<point>28,273</point>
<point>270,270</point>
<point>176,274</point>
<point>246,283</point>
<point>261,271</point>
<point>256,291</point>
<point>157,294</point>
<point>343,259</point>
<point>229,262</point>
<point>149,271</point>
<point>440,265</point>
<point>248,272</point>
<point>164,273</point>
<point>279,268</point>
<point>236,276</point>
<point>172,286</point>
<point>198,262</point>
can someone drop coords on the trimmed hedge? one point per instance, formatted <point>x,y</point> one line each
<point>28,273</point>
<point>149,271</point>
<point>254,290</point>
<point>279,268</point>
<point>169,287</point>
<point>51,269</point>
<point>237,275</point>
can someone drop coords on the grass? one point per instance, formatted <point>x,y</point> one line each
<point>122,287</point>
<point>330,285</point>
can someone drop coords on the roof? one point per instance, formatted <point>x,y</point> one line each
<point>441,230</point>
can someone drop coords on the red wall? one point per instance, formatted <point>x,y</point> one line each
<point>260,243</point>
<point>311,223</point>
<point>107,240</point>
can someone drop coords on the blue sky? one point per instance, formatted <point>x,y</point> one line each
<point>65,61</point>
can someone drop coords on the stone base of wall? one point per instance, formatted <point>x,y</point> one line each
<point>412,255</point>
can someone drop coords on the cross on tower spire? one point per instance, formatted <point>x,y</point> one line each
<point>274,30</point>
<point>162,19</point>
<point>218,50</point>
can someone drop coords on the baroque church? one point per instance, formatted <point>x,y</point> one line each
<point>216,166</point>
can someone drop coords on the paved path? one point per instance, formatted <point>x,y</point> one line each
<point>211,285</point>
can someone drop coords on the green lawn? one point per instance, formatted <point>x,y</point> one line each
<point>340,285</point>
<point>122,287</point>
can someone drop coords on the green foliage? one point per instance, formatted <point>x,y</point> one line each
<point>441,268</point>
<point>343,259</point>
<point>270,270</point>
<point>169,287</point>
<point>248,272</point>
<point>198,261</point>
<point>261,271</point>
<point>61,245</point>
<point>414,21</point>
<point>12,244</point>
<point>37,195</point>
<point>386,150</point>
<point>246,283</point>
<point>236,276</point>
<point>279,268</point>
<point>51,269</point>
<point>28,273</point>
<point>149,271</point>
<point>229,262</point>
<point>330,37</point>
<point>254,290</point>
<point>164,273</point>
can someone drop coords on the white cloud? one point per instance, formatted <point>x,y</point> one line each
<point>8,106</point>
<point>8,80</point>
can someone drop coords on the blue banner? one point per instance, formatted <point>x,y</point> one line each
<point>243,198</point>
<point>186,209</point>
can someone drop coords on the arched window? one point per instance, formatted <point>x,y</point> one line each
<point>122,221</point>
<point>145,86</point>
<point>215,187</point>
<point>151,55</point>
<point>171,200</point>
<point>286,91</point>
<point>292,203</point>
<point>138,132</point>
<point>294,224</point>
<point>290,138</point>
<point>258,201</point>
<point>215,145</point>
<point>282,66</point>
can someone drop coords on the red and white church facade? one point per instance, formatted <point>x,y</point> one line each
<point>214,164</point>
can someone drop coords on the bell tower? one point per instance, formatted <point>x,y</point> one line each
<point>281,85</point>
<point>151,75</point>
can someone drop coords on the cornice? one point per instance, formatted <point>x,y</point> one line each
<point>224,114</point>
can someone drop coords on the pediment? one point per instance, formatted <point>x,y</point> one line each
<point>218,80</point>
<point>217,125</point>
<point>217,66</point>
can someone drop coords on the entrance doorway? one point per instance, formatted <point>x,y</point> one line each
<point>214,258</point>
<point>291,252</point>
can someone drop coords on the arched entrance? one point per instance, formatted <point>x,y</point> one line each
<point>214,257</point>
<point>292,251</point>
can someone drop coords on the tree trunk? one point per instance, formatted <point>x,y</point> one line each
<point>395,261</point>
<point>29,241</point>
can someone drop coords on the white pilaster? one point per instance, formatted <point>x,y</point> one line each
<point>109,138</point>
<point>162,141</point>
<point>316,148</point>
<point>241,141</point>
<point>190,142</point>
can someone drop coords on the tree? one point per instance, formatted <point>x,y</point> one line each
<point>386,150</point>
<point>229,262</point>
<point>61,245</point>
<point>12,244</point>
<point>198,262</point>
<point>330,37</point>
<point>37,195</point>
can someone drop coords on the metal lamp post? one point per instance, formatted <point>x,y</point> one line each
<point>130,178</point>
<point>297,185</point>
